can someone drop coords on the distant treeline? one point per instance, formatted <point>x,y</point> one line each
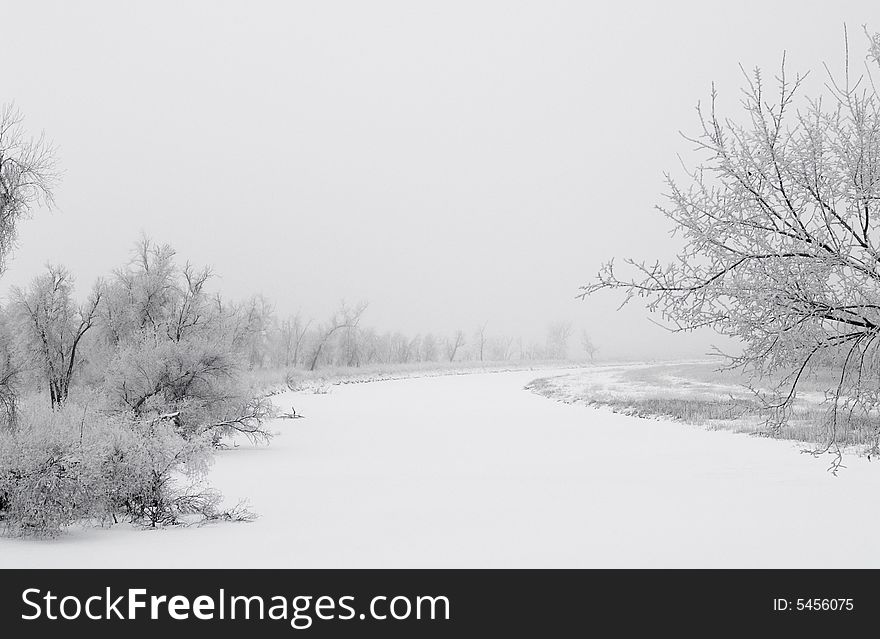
<point>343,340</point>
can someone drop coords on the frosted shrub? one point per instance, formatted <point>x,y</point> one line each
<point>78,465</point>
<point>294,380</point>
<point>48,474</point>
<point>155,476</point>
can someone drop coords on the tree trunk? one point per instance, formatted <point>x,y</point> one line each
<point>58,392</point>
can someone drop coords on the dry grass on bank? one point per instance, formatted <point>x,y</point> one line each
<point>699,393</point>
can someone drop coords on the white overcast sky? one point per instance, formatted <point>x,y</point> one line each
<point>453,163</point>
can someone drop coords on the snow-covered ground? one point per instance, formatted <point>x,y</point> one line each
<point>474,471</point>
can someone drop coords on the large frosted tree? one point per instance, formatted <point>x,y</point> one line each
<point>27,175</point>
<point>780,225</point>
<point>176,351</point>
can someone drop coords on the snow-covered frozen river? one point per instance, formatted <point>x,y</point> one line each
<point>474,471</point>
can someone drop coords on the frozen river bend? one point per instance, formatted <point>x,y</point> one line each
<point>474,471</point>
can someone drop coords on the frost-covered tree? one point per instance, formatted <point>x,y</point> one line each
<point>289,339</point>
<point>345,317</point>
<point>500,349</point>
<point>780,225</point>
<point>398,348</point>
<point>480,341</point>
<point>9,369</point>
<point>454,344</point>
<point>27,175</point>
<point>257,315</point>
<point>51,327</point>
<point>429,348</point>
<point>350,349</point>
<point>558,338</point>
<point>414,348</point>
<point>152,292</point>
<point>179,351</point>
<point>587,345</point>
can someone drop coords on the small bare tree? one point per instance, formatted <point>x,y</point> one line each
<point>291,334</point>
<point>258,313</point>
<point>400,348</point>
<point>453,345</point>
<point>480,340</point>
<point>345,317</point>
<point>415,348</point>
<point>558,337</point>
<point>590,349</point>
<point>506,348</point>
<point>429,348</point>
<point>500,348</point>
<point>781,230</point>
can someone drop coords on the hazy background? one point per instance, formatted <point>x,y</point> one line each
<point>454,163</point>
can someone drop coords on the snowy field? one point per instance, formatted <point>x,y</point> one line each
<point>474,471</point>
